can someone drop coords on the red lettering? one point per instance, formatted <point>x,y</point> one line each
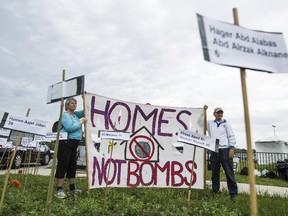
<point>119,162</point>
<point>176,173</point>
<point>143,173</point>
<point>134,173</point>
<point>152,171</point>
<point>166,168</point>
<point>194,177</point>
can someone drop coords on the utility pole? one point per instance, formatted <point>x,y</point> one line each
<point>274,126</point>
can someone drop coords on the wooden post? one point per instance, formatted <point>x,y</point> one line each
<point>10,166</point>
<point>191,180</point>
<point>85,136</point>
<point>51,182</point>
<point>111,146</point>
<point>253,197</point>
<point>205,151</point>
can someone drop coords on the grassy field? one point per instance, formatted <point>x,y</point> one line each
<point>30,199</point>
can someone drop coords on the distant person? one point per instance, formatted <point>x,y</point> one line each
<point>220,129</point>
<point>72,122</point>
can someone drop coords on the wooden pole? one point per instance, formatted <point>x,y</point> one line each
<point>51,182</point>
<point>205,151</point>
<point>191,180</point>
<point>253,197</point>
<point>10,166</point>
<point>111,146</point>
<point>85,136</point>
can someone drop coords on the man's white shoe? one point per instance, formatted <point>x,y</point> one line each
<point>60,194</point>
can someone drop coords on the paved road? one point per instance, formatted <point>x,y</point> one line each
<point>38,170</point>
<point>260,189</point>
<point>243,188</point>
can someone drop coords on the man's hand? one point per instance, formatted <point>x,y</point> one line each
<point>231,153</point>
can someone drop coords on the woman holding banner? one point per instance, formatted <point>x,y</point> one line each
<point>72,122</point>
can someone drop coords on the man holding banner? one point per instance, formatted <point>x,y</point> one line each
<point>221,130</point>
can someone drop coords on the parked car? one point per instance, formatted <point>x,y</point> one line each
<point>32,153</point>
<point>81,156</point>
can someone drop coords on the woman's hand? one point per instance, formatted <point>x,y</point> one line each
<point>83,120</point>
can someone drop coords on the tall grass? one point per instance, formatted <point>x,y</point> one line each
<point>30,199</point>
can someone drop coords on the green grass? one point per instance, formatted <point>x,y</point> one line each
<point>258,180</point>
<point>30,199</point>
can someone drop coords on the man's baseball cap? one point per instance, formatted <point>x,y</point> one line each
<point>217,109</point>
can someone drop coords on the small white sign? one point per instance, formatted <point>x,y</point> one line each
<point>4,132</point>
<point>6,145</point>
<point>199,140</point>
<point>114,135</point>
<point>65,89</point>
<point>24,124</point>
<point>51,136</point>
<point>26,140</point>
<point>3,140</point>
<point>232,45</point>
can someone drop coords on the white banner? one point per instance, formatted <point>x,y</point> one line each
<point>196,139</point>
<point>149,158</point>
<point>235,46</point>
<point>24,124</point>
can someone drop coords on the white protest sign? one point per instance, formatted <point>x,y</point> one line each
<point>191,138</point>
<point>4,132</point>
<point>114,135</point>
<point>3,140</point>
<point>26,140</point>
<point>51,136</point>
<point>65,89</point>
<point>235,46</point>
<point>6,145</point>
<point>32,144</point>
<point>24,124</point>
<point>148,158</point>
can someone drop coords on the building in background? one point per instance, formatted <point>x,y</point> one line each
<point>278,147</point>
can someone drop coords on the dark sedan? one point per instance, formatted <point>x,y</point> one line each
<point>34,153</point>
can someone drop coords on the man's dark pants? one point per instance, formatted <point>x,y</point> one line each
<point>222,158</point>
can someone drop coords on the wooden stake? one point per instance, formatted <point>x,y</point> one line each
<point>4,155</point>
<point>111,146</point>
<point>253,197</point>
<point>10,166</point>
<point>85,139</point>
<point>205,152</point>
<point>52,175</point>
<point>191,180</point>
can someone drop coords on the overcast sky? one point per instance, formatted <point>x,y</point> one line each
<point>139,51</point>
